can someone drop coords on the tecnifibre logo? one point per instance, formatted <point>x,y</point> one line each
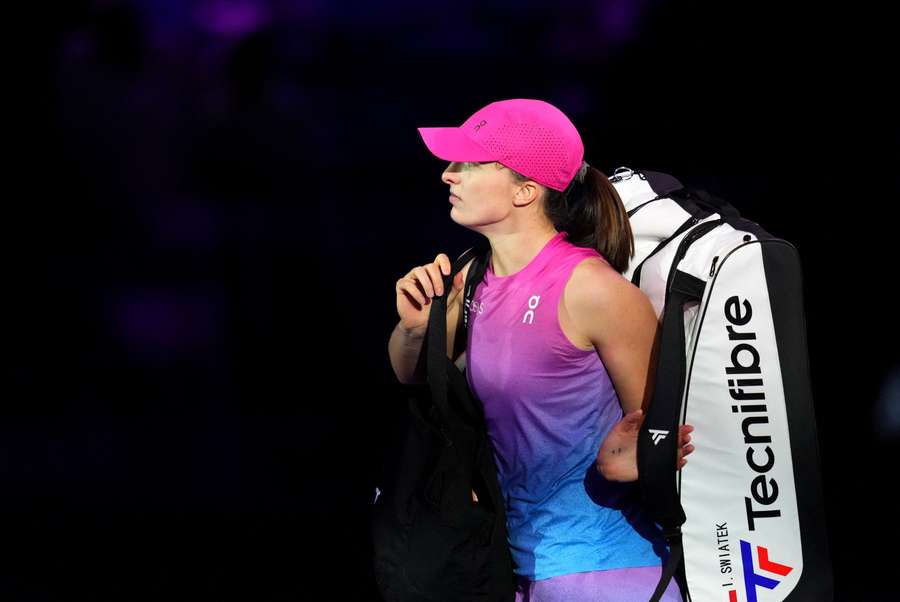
<point>754,579</point>
<point>658,435</point>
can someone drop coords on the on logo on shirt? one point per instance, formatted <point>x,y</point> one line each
<point>533,301</point>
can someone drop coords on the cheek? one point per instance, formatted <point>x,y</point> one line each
<point>491,209</point>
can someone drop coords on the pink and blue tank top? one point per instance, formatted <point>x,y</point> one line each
<point>548,406</point>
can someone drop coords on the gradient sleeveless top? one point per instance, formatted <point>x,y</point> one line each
<point>548,406</point>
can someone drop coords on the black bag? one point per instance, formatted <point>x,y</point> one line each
<point>431,541</point>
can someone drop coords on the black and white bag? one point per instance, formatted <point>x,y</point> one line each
<point>744,519</point>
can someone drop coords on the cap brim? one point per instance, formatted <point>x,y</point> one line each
<point>450,144</point>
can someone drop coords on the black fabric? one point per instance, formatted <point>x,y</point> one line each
<point>676,556</point>
<point>636,276</point>
<point>657,460</point>
<point>783,272</point>
<point>432,542</point>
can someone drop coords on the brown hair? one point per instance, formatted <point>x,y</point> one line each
<point>593,215</point>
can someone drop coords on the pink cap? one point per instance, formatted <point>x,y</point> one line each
<point>529,136</point>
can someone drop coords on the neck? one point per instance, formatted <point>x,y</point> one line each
<point>513,251</point>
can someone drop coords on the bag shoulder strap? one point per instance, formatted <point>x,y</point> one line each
<point>438,365</point>
<point>482,254</point>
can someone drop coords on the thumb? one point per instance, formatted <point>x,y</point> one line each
<point>457,283</point>
<point>633,420</point>
<point>635,415</point>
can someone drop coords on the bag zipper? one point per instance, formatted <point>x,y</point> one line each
<point>713,268</point>
<point>687,241</point>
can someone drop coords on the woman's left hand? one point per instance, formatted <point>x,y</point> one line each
<point>617,459</point>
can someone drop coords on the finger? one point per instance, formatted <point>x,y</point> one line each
<point>458,279</point>
<point>411,288</point>
<point>424,280</point>
<point>437,280</point>
<point>681,454</point>
<point>456,288</point>
<point>444,262</point>
<point>412,285</point>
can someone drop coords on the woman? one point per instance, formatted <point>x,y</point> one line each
<point>560,350</point>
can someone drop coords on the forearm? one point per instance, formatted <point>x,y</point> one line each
<point>407,359</point>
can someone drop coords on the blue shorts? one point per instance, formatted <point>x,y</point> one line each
<point>615,585</point>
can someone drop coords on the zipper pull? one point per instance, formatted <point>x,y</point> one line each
<point>621,173</point>
<point>713,268</point>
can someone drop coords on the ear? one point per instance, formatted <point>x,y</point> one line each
<point>528,192</point>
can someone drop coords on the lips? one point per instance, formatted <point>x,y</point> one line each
<point>454,198</point>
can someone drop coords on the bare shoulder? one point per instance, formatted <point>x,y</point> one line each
<point>593,278</point>
<point>597,297</point>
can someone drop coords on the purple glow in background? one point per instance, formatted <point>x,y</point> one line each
<point>226,192</point>
<point>173,322</point>
<point>231,18</point>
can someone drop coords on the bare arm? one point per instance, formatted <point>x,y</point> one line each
<point>405,346</point>
<point>620,321</point>
<point>407,359</point>
<point>618,318</point>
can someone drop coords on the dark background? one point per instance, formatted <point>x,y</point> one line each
<point>219,198</point>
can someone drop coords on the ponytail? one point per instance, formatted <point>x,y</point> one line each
<point>592,213</point>
<point>594,216</point>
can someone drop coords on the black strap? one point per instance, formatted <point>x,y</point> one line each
<point>676,553</point>
<point>700,204</point>
<point>658,442</point>
<point>437,362</point>
<point>710,201</point>
<point>689,222</point>
<point>482,254</point>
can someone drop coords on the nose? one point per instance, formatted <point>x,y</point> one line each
<point>451,174</point>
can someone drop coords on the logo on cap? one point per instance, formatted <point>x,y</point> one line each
<point>478,127</point>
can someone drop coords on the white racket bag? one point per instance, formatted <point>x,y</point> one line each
<point>744,519</point>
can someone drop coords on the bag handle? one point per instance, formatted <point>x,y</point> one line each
<point>701,197</point>
<point>435,343</point>
<point>656,460</point>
